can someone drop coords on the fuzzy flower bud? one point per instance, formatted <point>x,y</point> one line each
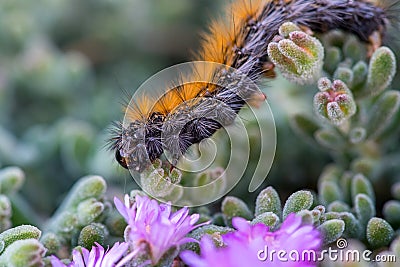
<point>298,55</point>
<point>160,183</point>
<point>334,102</point>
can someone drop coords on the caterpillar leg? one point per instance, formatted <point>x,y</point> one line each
<point>269,70</point>
<point>257,99</point>
<point>171,168</point>
<point>375,41</point>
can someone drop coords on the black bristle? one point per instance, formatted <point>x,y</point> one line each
<point>115,130</point>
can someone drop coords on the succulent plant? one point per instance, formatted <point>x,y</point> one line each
<point>336,110</point>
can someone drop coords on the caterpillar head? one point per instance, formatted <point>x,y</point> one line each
<point>138,144</point>
<point>120,159</point>
<point>192,109</point>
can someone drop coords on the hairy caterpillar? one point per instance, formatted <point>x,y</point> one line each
<point>167,122</point>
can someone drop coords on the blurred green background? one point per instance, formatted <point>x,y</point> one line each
<point>64,68</point>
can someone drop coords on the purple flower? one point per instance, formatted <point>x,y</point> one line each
<point>253,245</point>
<point>154,224</point>
<point>97,257</point>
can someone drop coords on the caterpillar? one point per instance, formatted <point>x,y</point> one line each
<point>167,123</point>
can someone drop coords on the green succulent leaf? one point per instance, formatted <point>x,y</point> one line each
<point>360,71</point>
<point>395,246</point>
<point>338,206</point>
<point>307,216</point>
<point>5,213</point>
<point>88,210</point>
<point>329,139</point>
<point>23,253</point>
<point>65,222</point>
<point>382,68</point>
<point>235,207</point>
<point>361,185</point>
<point>298,55</point>
<point>268,218</point>
<point>329,192</point>
<point>331,230</point>
<point>300,200</point>
<point>91,234</point>
<point>91,186</point>
<point>344,74</point>
<point>364,208</point>
<point>18,233</point>
<point>115,223</point>
<point>395,190</point>
<point>354,49</point>
<point>11,180</point>
<point>353,227</point>
<point>382,113</point>
<point>379,232</point>
<point>391,212</point>
<point>268,201</point>
<point>51,242</point>
<point>213,231</point>
<point>332,58</point>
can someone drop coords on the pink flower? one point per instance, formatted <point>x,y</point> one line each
<point>97,257</point>
<point>252,245</point>
<point>155,225</point>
